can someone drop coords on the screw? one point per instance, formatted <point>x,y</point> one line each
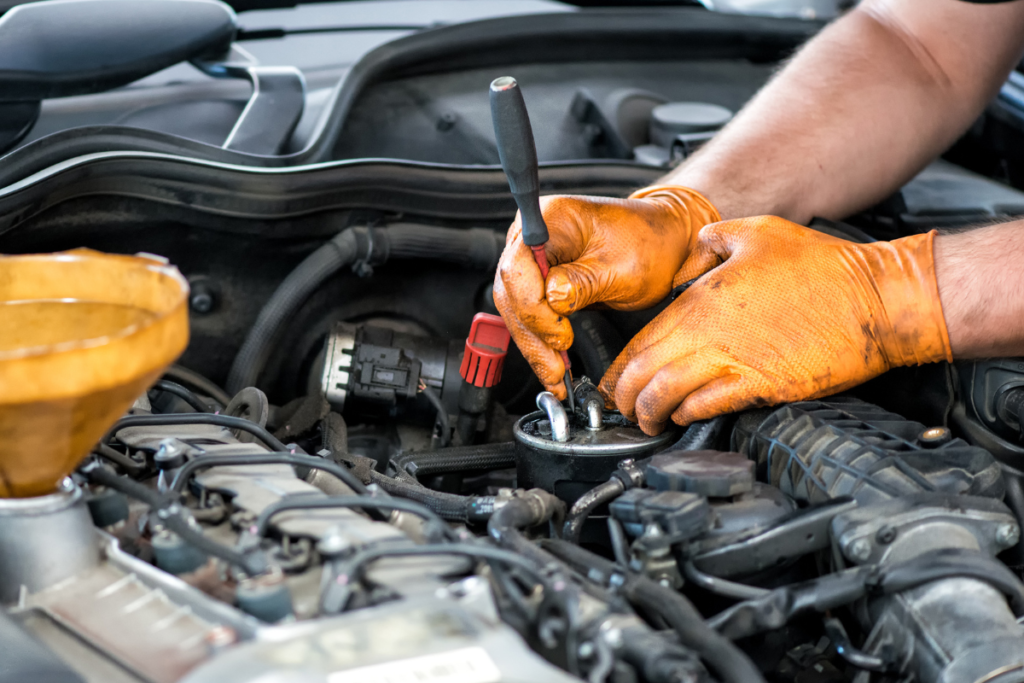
<point>201,299</point>
<point>859,550</point>
<point>586,650</point>
<point>1007,534</point>
<point>447,121</point>
<point>886,535</point>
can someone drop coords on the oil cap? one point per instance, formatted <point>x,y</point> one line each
<point>486,347</point>
<point>715,474</point>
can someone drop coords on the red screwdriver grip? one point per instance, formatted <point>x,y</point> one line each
<point>541,257</point>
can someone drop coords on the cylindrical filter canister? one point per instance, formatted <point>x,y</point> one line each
<point>587,458</point>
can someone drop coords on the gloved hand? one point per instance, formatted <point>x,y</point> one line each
<point>618,252</point>
<point>780,313</point>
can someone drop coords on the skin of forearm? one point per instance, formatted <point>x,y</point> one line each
<point>981,286</point>
<point>859,110</point>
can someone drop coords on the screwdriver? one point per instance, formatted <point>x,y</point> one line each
<point>518,156</point>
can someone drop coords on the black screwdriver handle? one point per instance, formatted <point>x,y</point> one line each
<point>518,155</point>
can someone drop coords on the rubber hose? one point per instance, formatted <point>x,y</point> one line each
<point>177,419</point>
<point>729,662</point>
<point>449,506</point>
<point>587,503</point>
<point>494,456</point>
<point>474,248</point>
<point>273,458</point>
<point>314,270</point>
<point>183,393</point>
<point>535,507</point>
<point>702,435</point>
<point>183,375</point>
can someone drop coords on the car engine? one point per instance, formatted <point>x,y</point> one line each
<point>352,476</point>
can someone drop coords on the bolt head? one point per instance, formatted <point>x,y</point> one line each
<point>859,550</point>
<point>1007,534</point>
<point>586,650</point>
<point>201,302</point>
<point>886,535</point>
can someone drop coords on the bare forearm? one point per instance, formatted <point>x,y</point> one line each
<point>981,286</point>
<point>859,110</point>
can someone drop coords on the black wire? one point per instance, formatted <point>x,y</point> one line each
<point>184,394</point>
<point>620,546</point>
<point>836,632</point>
<point>183,375</point>
<point>278,458</point>
<point>355,567</point>
<point>168,511</point>
<point>201,419</point>
<point>442,412</point>
<point>259,527</point>
<point>120,459</point>
<point>730,662</point>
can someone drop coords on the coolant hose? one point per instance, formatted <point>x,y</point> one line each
<point>475,248</point>
<point>728,661</point>
<point>492,456</point>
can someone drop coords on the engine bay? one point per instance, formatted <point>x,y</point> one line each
<point>351,475</point>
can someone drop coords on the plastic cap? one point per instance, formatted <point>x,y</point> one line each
<point>485,351</point>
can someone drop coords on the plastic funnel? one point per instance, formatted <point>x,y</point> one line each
<point>82,335</point>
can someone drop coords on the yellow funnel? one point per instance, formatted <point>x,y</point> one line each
<point>82,335</point>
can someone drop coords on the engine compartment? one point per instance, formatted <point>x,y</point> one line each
<point>350,475</point>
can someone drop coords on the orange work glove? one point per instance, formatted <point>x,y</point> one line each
<point>619,252</point>
<point>780,313</point>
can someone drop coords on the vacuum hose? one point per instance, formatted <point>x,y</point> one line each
<point>475,248</point>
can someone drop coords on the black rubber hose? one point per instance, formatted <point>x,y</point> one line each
<point>702,435</point>
<point>314,270</point>
<point>357,565</point>
<point>120,459</point>
<point>183,393</point>
<point>259,432</point>
<point>476,248</point>
<point>533,508</point>
<point>494,456</point>
<point>448,506</point>
<point>168,511</point>
<point>587,503</point>
<point>775,609</point>
<point>279,458</point>
<point>183,375</point>
<point>730,663</point>
<point>259,527</point>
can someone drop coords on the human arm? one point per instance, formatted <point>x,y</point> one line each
<point>857,112</point>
